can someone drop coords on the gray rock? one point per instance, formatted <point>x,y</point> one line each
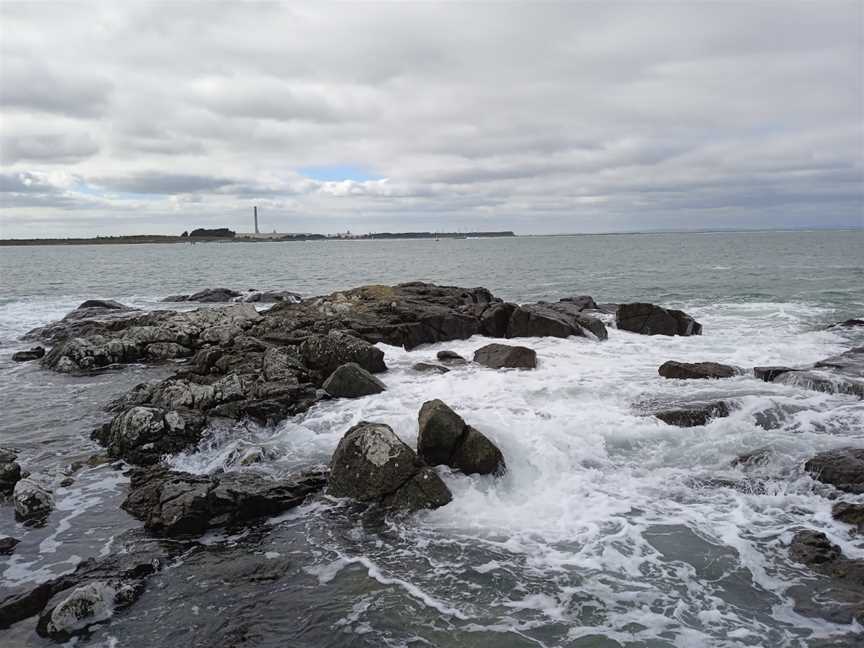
<point>213,295</point>
<point>476,454</point>
<point>696,370</point>
<point>370,462</point>
<point>269,297</point>
<point>73,611</point>
<point>429,367</point>
<point>584,302</point>
<point>649,319</point>
<point>108,304</point>
<point>10,470</point>
<point>850,513</point>
<point>425,490</point>
<point>769,373</point>
<point>33,501</point>
<point>758,457</point>
<point>843,468</point>
<point>26,356</point>
<point>826,381</point>
<point>695,414</point>
<point>327,352</point>
<point>7,545</point>
<point>445,439</point>
<point>350,380</point>
<point>142,435</point>
<point>813,548</point>
<point>503,356</point>
<point>553,320</point>
<point>450,357</point>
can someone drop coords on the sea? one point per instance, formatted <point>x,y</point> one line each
<point>609,529</point>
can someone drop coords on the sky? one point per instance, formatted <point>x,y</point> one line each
<point>123,117</point>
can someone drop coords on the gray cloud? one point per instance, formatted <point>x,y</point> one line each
<point>542,118</point>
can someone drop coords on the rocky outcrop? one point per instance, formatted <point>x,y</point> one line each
<point>92,317</point>
<point>843,468</point>
<point>504,356</point>
<point>350,380</point>
<point>696,370</point>
<point>33,501</point>
<point>10,471</point>
<point>26,356</point>
<point>223,295</point>
<point>445,439</point>
<point>694,414</point>
<point>180,504</point>
<point>649,319</point>
<point>371,464</point>
<point>142,435</point>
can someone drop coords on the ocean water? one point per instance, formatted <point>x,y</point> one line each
<point>610,528</point>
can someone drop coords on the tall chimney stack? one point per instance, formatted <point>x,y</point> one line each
<point>255,212</point>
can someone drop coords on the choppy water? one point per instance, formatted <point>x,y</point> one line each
<point>610,527</point>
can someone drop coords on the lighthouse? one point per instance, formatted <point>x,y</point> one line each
<point>255,214</point>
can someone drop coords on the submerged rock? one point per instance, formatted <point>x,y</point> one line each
<point>843,468</point>
<point>850,513</point>
<point>829,382</point>
<point>813,548</point>
<point>768,374</point>
<point>445,439</point>
<point>450,357</point>
<point>757,457</point>
<point>7,545</point>
<point>26,356</point>
<point>696,370</point>
<point>429,367</point>
<point>694,415</point>
<point>504,356</point>
<point>73,611</point>
<point>33,501</point>
<point>372,464</point>
<point>10,470</point>
<point>350,380</point>
<point>649,319</point>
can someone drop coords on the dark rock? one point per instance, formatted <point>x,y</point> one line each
<point>553,320</point>
<point>584,302</point>
<point>33,501</point>
<point>850,513</point>
<point>108,304</point>
<point>26,356</point>
<point>843,468</point>
<point>425,490</point>
<point>495,319</point>
<point>270,297</point>
<point>649,319</point>
<point>175,299</point>
<point>849,323</point>
<point>849,363</point>
<point>768,374</point>
<point>445,439</point>
<point>757,457</point>
<point>179,504</point>
<point>696,370</point>
<point>501,356</point>
<point>7,545</point>
<point>10,470</point>
<point>829,382</point>
<point>450,357</point>
<point>142,435</point>
<point>74,610</point>
<point>429,367</point>
<point>370,462</point>
<point>326,353</point>
<point>813,548</point>
<point>213,295</point>
<point>350,380</point>
<point>695,415</point>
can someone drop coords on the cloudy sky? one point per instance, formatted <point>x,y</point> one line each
<point>132,118</point>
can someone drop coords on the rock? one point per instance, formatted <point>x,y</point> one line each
<point>370,462</point>
<point>179,504</point>
<point>850,513</point>
<point>142,435</point>
<point>429,367</point>
<point>269,297</point>
<point>213,295</point>
<point>694,415</point>
<point>450,357</point>
<point>768,374</point>
<point>326,353</point>
<point>350,380</point>
<point>10,471</point>
<point>7,545</point>
<point>813,548</point>
<point>843,468</point>
<point>649,319</point>
<point>445,439</point>
<point>849,323</point>
<point>26,356</point>
<point>73,611</point>
<point>502,356</point>
<point>495,319</point>
<point>553,320</point>
<point>90,320</point>
<point>757,457</point>
<point>696,370</point>
<point>33,502</point>
<point>584,302</point>
<point>849,363</point>
<point>425,490</point>
<point>829,382</point>
<point>108,304</point>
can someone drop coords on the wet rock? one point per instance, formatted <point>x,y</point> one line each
<point>73,611</point>
<point>695,415</point>
<point>696,370</point>
<point>350,380</point>
<point>179,504</point>
<point>813,548</point>
<point>167,351</point>
<point>849,323</point>
<point>33,501</point>
<point>213,295</point>
<point>649,319</point>
<point>583,302</point>
<point>10,470</point>
<point>849,363</point>
<point>495,319</point>
<point>326,353</point>
<point>450,357</point>
<point>90,320</point>
<point>445,439</point>
<point>429,367</point>
<point>26,356</point>
<point>503,356</point>
<point>843,468</point>
<point>758,457</point>
<point>768,374</point>
<point>142,435</point>
<point>270,297</point>
<point>108,304</point>
<point>850,513</point>
<point>7,545</point>
<point>829,382</point>
<point>553,320</point>
<point>425,490</point>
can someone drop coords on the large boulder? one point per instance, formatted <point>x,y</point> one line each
<point>371,464</point>
<point>179,504</point>
<point>696,370</point>
<point>843,468</point>
<point>553,320</point>
<point>326,353</point>
<point>649,319</point>
<point>694,414</point>
<point>33,501</point>
<point>350,380</point>
<point>445,439</point>
<point>504,356</point>
<point>142,435</point>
